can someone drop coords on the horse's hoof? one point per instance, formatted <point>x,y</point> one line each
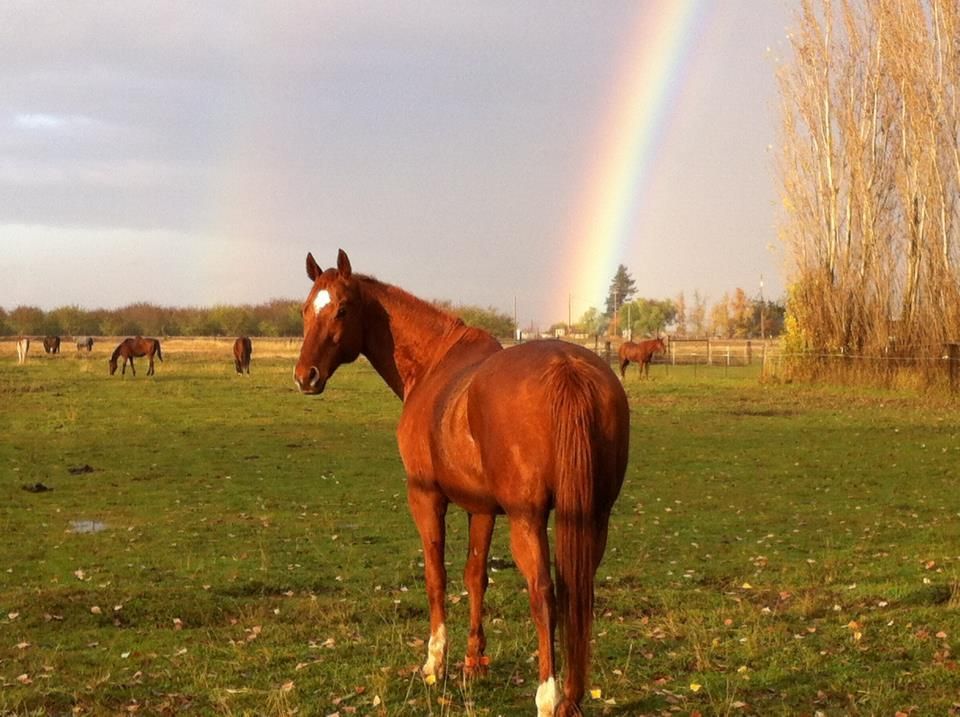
<point>568,709</point>
<point>475,667</point>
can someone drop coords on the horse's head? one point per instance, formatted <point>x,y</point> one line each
<point>332,324</point>
<point>113,365</point>
<point>660,345</point>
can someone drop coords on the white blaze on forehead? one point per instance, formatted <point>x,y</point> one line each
<point>320,300</point>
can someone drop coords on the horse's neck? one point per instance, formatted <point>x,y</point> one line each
<point>404,337</point>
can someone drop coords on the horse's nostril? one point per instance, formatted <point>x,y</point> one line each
<point>313,376</point>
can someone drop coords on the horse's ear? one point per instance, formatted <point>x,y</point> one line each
<point>313,269</point>
<point>343,265</point>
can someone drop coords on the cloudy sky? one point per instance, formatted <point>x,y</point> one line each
<point>191,153</point>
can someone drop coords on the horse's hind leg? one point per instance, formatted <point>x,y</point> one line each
<point>150,365</point>
<point>429,510</point>
<point>528,542</point>
<point>623,368</point>
<point>475,578</point>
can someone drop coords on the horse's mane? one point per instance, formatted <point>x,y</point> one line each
<point>423,309</point>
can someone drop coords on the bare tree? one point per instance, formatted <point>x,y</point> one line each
<point>870,175</point>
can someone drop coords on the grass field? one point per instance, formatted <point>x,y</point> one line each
<point>235,548</point>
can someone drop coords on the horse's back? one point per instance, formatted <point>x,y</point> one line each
<point>522,400</point>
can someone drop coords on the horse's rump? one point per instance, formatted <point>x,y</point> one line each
<point>518,396</point>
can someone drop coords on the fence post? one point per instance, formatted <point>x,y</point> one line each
<point>607,350</point>
<point>953,364</point>
<point>749,353</point>
<point>709,353</point>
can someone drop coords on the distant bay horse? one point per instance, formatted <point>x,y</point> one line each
<point>640,352</point>
<point>135,347</point>
<point>85,342</point>
<point>23,345</point>
<point>51,344</point>
<point>242,348</point>
<point>519,431</point>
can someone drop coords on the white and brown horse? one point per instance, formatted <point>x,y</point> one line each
<point>23,345</point>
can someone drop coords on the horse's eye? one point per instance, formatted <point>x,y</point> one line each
<point>341,312</point>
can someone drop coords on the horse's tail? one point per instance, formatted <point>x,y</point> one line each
<point>575,505</point>
<point>159,352</point>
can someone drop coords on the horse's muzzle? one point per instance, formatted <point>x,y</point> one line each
<point>308,381</point>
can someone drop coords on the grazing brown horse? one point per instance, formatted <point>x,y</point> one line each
<point>139,346</point>
<point>640,352</point>
<point>242,348</point>
<point>520,431</point>
<point>51,344</point>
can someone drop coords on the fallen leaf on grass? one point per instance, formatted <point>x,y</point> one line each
<point>24,679</point>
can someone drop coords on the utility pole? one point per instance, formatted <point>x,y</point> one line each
<point>762,310</point>
<point>616,307</point>
<point>569,311</point>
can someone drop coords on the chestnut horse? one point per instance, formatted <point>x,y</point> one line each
<point>242,348</point>
<point>640,352</point>
<point>129,348</point>
<point>51,344</point>
<point>520,431</point>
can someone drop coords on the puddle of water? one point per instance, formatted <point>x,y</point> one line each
<point>87,526</point>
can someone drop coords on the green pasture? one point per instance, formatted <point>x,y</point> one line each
<point>225,546</point>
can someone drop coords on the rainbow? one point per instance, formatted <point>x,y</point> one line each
<point>644,91</point>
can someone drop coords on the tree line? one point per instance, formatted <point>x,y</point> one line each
<point>279,317</point>
<point>734,315</point>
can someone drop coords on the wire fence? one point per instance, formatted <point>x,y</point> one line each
<point>929,366</point>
